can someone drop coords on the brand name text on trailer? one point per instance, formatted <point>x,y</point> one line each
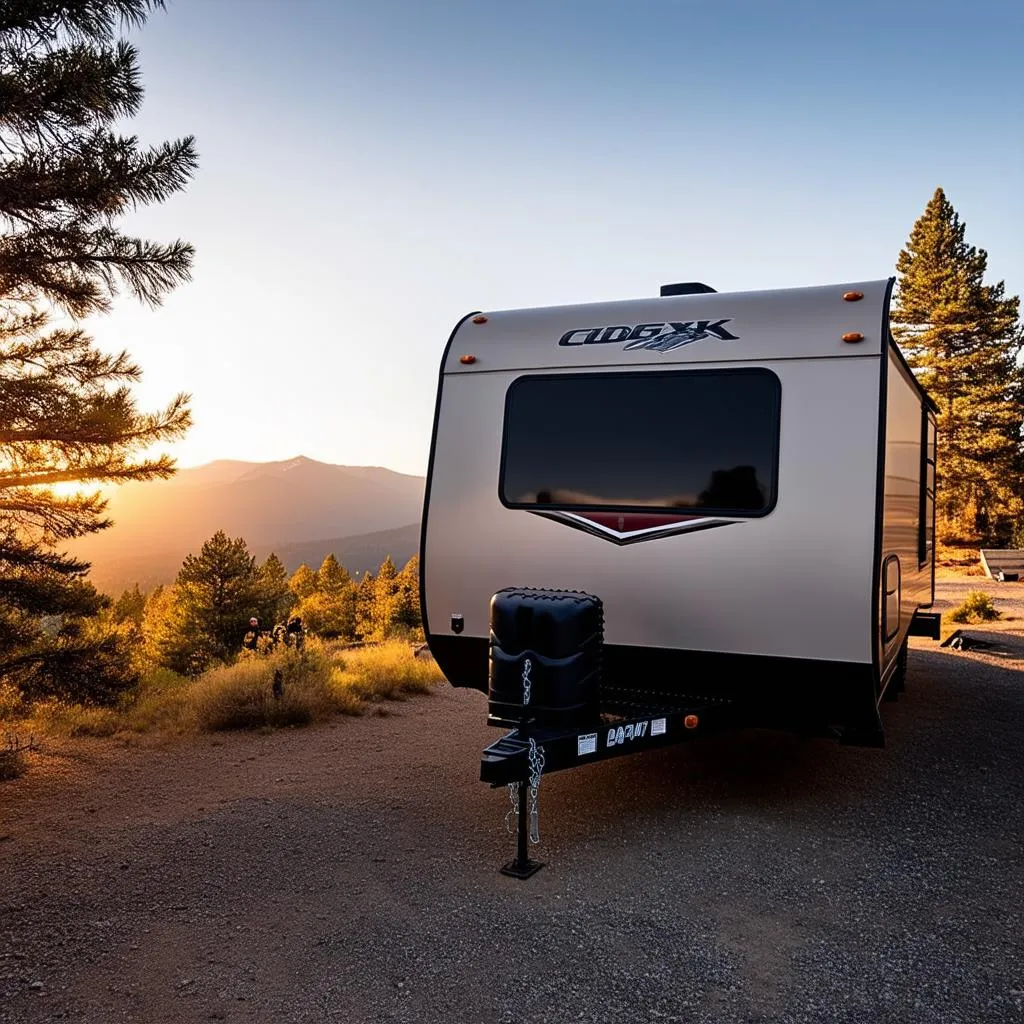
<point>659,337</point>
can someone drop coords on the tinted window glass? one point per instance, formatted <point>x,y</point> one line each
<point>702,440</point>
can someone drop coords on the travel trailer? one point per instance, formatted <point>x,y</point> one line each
<point>725,500</point>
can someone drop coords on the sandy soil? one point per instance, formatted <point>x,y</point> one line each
<point>349,872</point>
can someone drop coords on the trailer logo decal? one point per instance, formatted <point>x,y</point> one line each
<point>656,337</point>
<point>626,733</point>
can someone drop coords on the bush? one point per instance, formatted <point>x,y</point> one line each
<point>12,757</point>
<point>12,764</point>
<point>162,703</point>
<point>12,706</point>
<point>387,672</point>
<point>317,682</point>
<point>241,696</point>
<point>62,718</point>
<point>977,607</point>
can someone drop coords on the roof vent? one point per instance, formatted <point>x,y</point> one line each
<point>686,288</point>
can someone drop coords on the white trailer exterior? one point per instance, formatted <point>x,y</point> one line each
<point>745,479</point>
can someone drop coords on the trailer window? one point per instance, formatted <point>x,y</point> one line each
<point>926,516</point>
<point>701,440</point>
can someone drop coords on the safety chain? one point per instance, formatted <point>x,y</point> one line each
<point>536,768</point>
<point>527,684</point>
<point>536,762</point>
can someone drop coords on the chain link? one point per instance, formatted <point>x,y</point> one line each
<point>536,760</point>
<point>510,816</point>
<point>536,768</point>
<point>527,683</point>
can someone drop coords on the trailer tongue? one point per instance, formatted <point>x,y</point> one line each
<point>635,722</point>
<point>545,680</point>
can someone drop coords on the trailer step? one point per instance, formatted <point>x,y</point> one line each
<point>926,624</point>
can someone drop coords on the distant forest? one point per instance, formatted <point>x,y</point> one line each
<point>202,618</point>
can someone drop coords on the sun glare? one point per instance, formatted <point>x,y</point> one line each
<point>73,489</point>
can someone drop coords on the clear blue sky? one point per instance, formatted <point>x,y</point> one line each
<point>370,171</point>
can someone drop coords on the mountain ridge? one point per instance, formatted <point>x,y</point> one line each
<point>279,505</point>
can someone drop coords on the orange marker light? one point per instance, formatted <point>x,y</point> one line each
<point>480,319</point>
<point>853,296</point>
<point>691,721</point>
<point>467,359</point>
<point>853,336</point>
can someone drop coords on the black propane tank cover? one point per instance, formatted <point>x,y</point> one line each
<point>545,656</point>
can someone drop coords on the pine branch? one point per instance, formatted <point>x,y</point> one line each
<point>47,97</point>
<point>82,270</point>
<point>85,19</point>
<point>104,175</point>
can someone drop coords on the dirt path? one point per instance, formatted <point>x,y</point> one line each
<point>350,873</point>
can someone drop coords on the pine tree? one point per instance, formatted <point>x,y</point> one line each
<point>206,617</point>
<point>166,639</point>
<point>274,596</point>
<point>330,610</point>
<point>332,577</point>
<point>963,339</point>
<point>365,605</point>
<point>303,582</point>
<point>68,414</point>
<point>385,592</point>
<point>129,607</point>
<point>406,607</point>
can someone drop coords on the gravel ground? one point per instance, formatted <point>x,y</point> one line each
<point>349,873</point>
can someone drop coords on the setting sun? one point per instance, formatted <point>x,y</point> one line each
<point>74,488</point>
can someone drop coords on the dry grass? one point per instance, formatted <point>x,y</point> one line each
<point>56,718</point>
<point>161,704</point>
<point>387,672</point>
<point>316,684</point>
<point>966,561</point>
<point>241,696</point>
<point>12,763</point>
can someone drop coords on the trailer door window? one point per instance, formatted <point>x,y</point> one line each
<point>700,440</point>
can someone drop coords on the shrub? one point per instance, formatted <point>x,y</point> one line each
<point>387,672</point>
<point>12,764</point>
<point>62,718</point>
<point>12,756</point>
<point>977,607</point>
<point>317,682</point>
<point>11,704</point>
<point>241,696</point>
<point>162,703</point>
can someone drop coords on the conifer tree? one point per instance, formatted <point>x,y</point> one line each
<point>405,613</point>
<point>303,582</point>
<point>330,610</point>
<point>274,595</point>
<point>66,176</point>
<point>384,593</point>
<point>365,601</point>
<point>207,614</point>
<point>129,607</point>
<point>332,577</point>
<point>963,339</point>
